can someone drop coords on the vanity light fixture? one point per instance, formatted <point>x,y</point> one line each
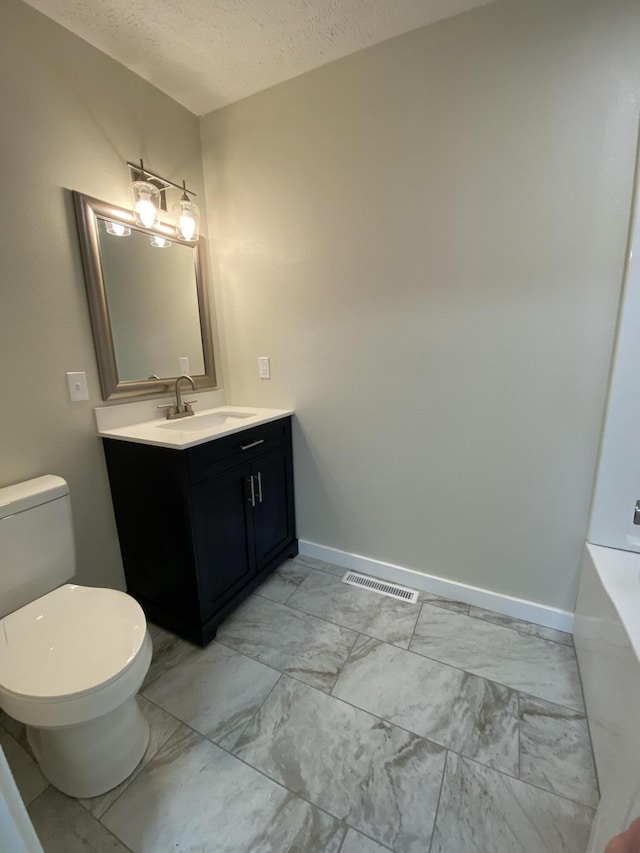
<point>116,229</point>
<point>186,216</point>
<point>148,194</point>
<point>160,242</point>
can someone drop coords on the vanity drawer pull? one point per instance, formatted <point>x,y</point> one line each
<point>253,444</point>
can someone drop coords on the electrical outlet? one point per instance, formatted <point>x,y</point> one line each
<point>184,366</point>
<point>78,389</point>
<point>264,368</point>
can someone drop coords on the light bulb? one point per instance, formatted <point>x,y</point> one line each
<point>160,242</point>
<point>146,212</point>
<point>146,203</point>
<point>186,226</point>
<point>186,217</point>
<point>117,229</point>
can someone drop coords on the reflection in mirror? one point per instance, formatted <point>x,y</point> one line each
<point>144,282</point>
<point>148,301</point>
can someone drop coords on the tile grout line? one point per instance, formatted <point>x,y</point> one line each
<point>91,816</point>
<point>378,717</point>
<point>586,716</point>
<point>383,720</point>
<point>347,659</point>
<point>281,671</point>
<point>195,651</point>
<point>435,817</point>
<point>330,693</point>
<point>251,767</point>
<point>364,835</point>
<point>308,801</point>
<point>415,625</point>
<point>130,779</point>
<point>254,715</point>
<point>469,614</point>
<point>266,775</point>
<point>322,809</point>
<point>295,585</point>
<point>528,784</point>
<point>410,651</point>
<point>519,630</point>
<point>330,621</point>
<point>441,746</point>
<point>389,722</point>
<point>492,680</point>
<point>113,835</point>
<point>519,739</point>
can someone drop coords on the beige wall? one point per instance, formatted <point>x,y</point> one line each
<point>71,117</point>
<point>427,238</point>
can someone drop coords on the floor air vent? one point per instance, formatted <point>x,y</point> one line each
<point>384,588</point>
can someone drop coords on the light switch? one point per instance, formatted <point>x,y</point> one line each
<point>264,368</point>
<point>184,366</point>
<point>78,389</point>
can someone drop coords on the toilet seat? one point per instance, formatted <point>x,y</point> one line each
<point>71,655</point>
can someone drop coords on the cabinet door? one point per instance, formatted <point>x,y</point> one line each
<point>273,515</point>
<point>223,542</point>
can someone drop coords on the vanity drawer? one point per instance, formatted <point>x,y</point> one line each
<point>214,457</point>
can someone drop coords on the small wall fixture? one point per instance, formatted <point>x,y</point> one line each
<point>148,197</point>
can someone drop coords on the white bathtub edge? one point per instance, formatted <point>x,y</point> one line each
<point>619,573</point>
<point>518,608</point>
<point>610,673</point>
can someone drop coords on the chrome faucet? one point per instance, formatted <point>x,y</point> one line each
<point>180,409</point>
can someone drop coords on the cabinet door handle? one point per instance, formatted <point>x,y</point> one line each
<point>253,492</point>
<point>253,444</point>
<point>259,487</point>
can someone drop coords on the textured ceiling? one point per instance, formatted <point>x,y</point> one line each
<point>208,53</point>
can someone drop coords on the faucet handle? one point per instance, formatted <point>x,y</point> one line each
<point>188,403</point>
<point>170,407</point>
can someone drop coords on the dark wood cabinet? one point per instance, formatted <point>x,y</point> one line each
<point>201,528</point>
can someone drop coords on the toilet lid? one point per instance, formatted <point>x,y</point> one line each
<point>70,641</point>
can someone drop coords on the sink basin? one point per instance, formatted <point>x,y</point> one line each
<point>196,423</point>
<point>182,433</point>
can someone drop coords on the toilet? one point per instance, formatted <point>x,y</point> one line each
<point>72,658</point>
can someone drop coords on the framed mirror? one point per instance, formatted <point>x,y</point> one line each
<point>148,300</point>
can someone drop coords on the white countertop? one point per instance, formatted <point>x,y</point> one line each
<point>205,425</point>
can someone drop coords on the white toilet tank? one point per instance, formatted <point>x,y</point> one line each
<point>37,551</point>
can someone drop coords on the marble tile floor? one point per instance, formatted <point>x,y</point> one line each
<point>328,719</point>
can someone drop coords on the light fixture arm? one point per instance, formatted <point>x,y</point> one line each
<point>139,172</point>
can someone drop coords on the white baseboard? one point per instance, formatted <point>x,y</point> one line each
<point>541,614</point>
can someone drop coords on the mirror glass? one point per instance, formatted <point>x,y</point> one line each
<point>148,301</point>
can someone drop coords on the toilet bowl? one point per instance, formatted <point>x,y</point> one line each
<point>72,659</point>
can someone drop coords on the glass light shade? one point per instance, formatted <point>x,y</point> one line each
<point>160,242</point>
<point>186,218</point>
<point>145,201</point>
<point>117,229</point>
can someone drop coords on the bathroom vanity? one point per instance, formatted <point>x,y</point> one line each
<point>204,510</point>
